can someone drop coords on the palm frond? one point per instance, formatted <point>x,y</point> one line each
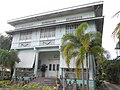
<point>117,14</point>
<point>81,29</point>
<point>85,41</point>
<point>82,52</point>
<point>96,39</point>
<point>68,47</point>
<point>68,37</point>
<point>77,72</point>
<point>77,66</point>
<point>116,32</point>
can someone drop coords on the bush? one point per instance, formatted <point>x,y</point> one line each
<point>108,71</point>
<point>31,86</point>
<point>4,83</point>
<point>112,71</point>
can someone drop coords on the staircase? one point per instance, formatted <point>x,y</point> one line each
<point>45,81</point>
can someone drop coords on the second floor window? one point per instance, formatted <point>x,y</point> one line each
<point>70,28</point>
<point>25,35</point>
<point>47,33</point>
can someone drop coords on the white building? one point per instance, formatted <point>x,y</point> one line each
<point>37,38</point>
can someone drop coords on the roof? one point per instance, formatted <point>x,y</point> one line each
<point>55,13</point>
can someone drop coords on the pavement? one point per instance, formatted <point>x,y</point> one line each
<point>112,86</point>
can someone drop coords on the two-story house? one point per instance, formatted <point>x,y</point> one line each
<point>37,38</point>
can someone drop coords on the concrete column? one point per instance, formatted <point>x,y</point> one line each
<point>36,63</point>
<point>14,73</point>
<point>60,68</point>
<point>90,68</point>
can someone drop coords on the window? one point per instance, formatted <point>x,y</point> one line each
<point>70,28</point>
<point>50,66</point>
<point>53,67</point>
<point>57,67</point>
<point>25,35</point>
<point>47,33</point>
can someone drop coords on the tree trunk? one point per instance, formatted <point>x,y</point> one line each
<point>2,73</point>
<point>11,73</point>
<point>83,83</point>
<point>87,72</point>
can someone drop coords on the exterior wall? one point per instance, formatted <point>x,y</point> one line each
<point>35,38</point>
<point>15,40</point>
<point>59,32</point>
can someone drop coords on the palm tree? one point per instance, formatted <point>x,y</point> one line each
<point>76,45</point>
<point>80,45</point>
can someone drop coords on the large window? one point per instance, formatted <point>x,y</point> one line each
<point>47,33</point>
<point>25,35</point>
<point>70,28</point>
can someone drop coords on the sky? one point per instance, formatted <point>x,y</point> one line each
<point>11,9</point>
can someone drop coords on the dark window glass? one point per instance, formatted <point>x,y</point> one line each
<point>53,67</point>
<point>57,67</point>
<point>50,66</point>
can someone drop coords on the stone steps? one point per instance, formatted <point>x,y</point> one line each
<point>45,81</point>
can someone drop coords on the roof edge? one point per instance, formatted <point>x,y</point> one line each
<point>54,11</point>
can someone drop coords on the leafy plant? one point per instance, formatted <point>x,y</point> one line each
<point>43,67</point>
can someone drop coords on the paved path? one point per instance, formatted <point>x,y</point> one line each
<point>112,86</point>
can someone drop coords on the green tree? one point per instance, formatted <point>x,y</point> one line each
<point>13,58</point>
<point>5,42</point>
<point>109,71</point>
<point>8,59</point>
<point>2,61</point>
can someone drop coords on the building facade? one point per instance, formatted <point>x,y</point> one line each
<point>37,38</point>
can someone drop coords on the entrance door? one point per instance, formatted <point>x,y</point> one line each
<point>53,68</point>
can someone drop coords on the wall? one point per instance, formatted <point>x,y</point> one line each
<point>60,31</point>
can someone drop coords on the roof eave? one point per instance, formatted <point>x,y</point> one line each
<point>13,22</point>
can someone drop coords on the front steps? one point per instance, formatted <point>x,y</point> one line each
<point>45,81</point>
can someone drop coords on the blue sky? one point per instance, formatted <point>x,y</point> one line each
<point>11,9</point>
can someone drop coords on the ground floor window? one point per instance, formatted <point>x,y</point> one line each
<point>53,67</point>
<point>50,66</point>
<point>57,67</point>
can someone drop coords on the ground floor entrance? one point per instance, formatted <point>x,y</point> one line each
<point>52,61</point>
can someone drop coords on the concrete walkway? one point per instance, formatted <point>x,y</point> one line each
<point>112,86</point>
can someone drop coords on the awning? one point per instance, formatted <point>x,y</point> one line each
<point>27,58</point>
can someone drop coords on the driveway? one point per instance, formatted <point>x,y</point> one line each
<point>112,86</point>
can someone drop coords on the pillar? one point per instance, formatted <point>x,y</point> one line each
<point>14,73</point>
<point>36,63</point>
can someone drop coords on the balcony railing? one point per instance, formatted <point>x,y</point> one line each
<point>27,44</point>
